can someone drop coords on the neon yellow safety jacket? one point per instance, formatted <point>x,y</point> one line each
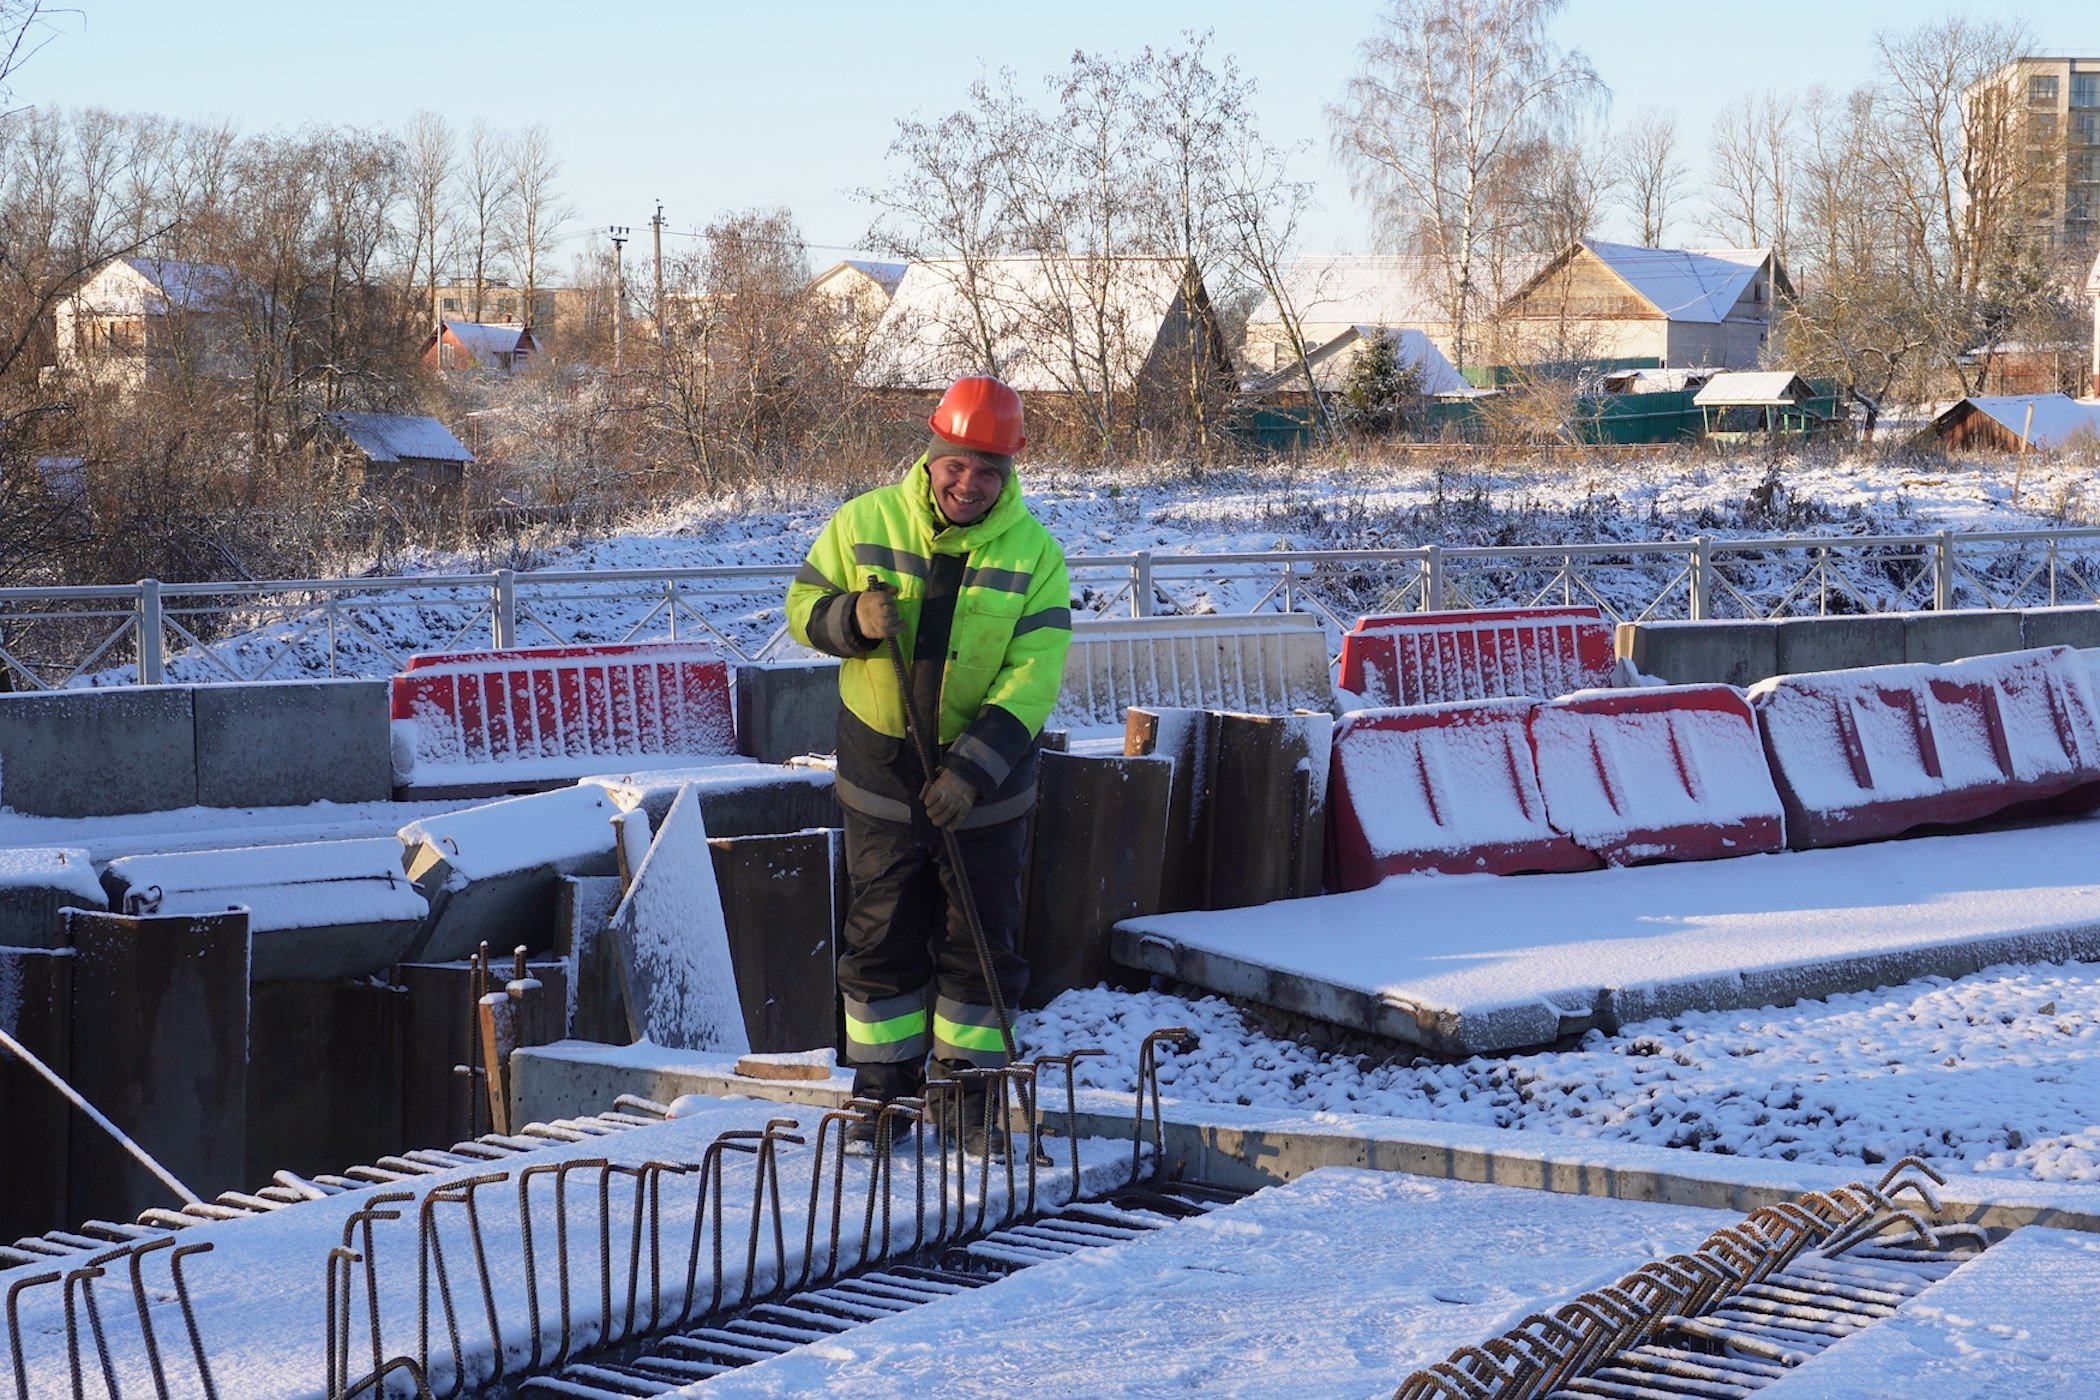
<point>987,622</point>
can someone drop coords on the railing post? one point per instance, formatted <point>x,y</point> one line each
<point>671,605</point>
<point>1702,577</point>
<point>151,671</point>
<point>1141,585</point>
<point>1432,578</point>
<point>1943,571</point>
<point>503,609</point>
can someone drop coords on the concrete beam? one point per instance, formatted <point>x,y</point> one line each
<point>488,872</point>
<point>1839,643</point>
<point>98,753</point>
<point>160,1045</point>
<point>786,708</point>
<point>1950,636</point>
<point>1734,652</point>
<point>285,744</point>
<point>36,1008</point>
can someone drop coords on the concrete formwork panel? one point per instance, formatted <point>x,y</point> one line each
<point>786,708</point>
<point>35,885</point>
<point>2060,627</point>
<point>1186,739</point>
<point>778,904</point>
<point>160,1045</point>
<point>1268,795</point>
<point>1839,643</point>
<point>489,872</point>
<point>1269,663</point>
<point>324,1075</point>
<point>437,1103</point>
<point>98,753</point>
<point>36,1008</point>
<point>1097,855</point>
<point>1734,652</point>
<point>1950,636</point>
<point>284,744</point>
<point>597,1010</point>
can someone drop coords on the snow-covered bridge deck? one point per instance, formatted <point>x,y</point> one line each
<point>1477,964</point>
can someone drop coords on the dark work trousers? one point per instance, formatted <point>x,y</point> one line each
<point>908,965</point>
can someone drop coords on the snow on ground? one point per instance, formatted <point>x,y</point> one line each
<point>1462,499</point>
<point>1995,1074</point>
<point>1263,1297</point>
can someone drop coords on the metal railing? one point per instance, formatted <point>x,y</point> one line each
<point>153,632</point>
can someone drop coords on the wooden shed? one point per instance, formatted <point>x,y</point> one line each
<point>390,451</point>
<point>2016,422</point>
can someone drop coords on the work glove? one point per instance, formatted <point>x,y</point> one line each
<point>948,799</point>
<point>875,614</point>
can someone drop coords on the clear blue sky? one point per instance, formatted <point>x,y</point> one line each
<point>709,105</point>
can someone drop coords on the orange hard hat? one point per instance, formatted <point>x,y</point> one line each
<point>982,414</point>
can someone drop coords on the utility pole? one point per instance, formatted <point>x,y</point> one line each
<point>620,233</point>
<point>656,229</point>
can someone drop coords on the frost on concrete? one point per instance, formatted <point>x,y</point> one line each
<point>672,944</point>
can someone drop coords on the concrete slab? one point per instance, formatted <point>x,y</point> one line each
<point>488,872</point>
<point>1478,964</point>
<point>160,1045</point>
<point>1950,636</point>
<point>1838,643</point>
<point>1729,652</point>
<point>2060,627</point>
<point>672,945</point>
<point>1096,856</point>
<point>277,744</point>
<point>737,797</point>
<point>786,708</point>
<point>35,885</point>
<point>36,1008</point>
<point>572,1079</point>
<point>778,896</point>
<point>316,910</point>
<point>1338,1284</point>
<point>92,753</point>
<point>324,1075</point>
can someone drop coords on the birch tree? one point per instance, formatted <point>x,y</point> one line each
<point>1651,180</point>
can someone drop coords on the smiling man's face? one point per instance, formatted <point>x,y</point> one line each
<point>964,488</point>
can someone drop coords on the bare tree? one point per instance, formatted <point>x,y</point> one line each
<point>1651,177</point>
<point>1751,171</point>
<point>1446,96</point>
<point>482,208</point>
<point>431,155</point>
<point>537,212</point>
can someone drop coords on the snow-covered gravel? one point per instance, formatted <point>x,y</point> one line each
<point>1997,1074</point>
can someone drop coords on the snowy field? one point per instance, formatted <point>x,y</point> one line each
<point>1995,1074</point>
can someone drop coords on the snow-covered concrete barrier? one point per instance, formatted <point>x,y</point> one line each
<point>1742,652</point>
<point>1264,664</point>
<point>1446,788</point>
<point>288,743</point>
<point>316,909</point>
<point>1438,657</point>
<point>489,872</point>
<point>786,708</point>
<point>1865,754</point>
<point>1671,773</point>
<point>478,721</point>
<point>95,753</point>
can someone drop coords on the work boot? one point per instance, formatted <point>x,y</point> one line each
<point>873,1087</point>
<point>979,1093</point>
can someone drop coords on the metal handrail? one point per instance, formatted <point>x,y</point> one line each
<point>1689,580</point>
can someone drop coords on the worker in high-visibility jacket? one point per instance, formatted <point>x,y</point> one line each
<point>976,590</point>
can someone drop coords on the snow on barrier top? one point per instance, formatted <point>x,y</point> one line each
<point>1667,773</point>
<point>1437,657</point>
<point>541,708</point>
<point>1870,753</point>
<point>1465,965</point>
<point>1263,664</point>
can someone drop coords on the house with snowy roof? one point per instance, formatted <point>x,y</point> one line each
<point>1049,326</point>
<point>1329,365</point>
<point>1329,296</point>
<point>2017,422</point>
<point>388,451</point>
<point>1672,307</point>
<point>476,345</point>
<point>140,315</point>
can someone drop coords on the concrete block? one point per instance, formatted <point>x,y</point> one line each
<point>2060,627</point>
<point>36,1008</point>
<point>1268,663</point>
<point>1096,856</point>
<point>1950,636</point>
<point>316,910</point>
<point>34,885</point>
<point>785,708</point>
<point>779,898</point>
<point>284,744</point>
<point>160,1045</point>
<point>1734,652</point>
<point>1839,643</point>
<point>488,872</point>
<point>98,753</point>
<point>324,1075</point>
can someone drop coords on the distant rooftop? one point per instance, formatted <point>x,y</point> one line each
<point>396,437</point>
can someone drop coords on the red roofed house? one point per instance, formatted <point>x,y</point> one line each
<point>472,345</point>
